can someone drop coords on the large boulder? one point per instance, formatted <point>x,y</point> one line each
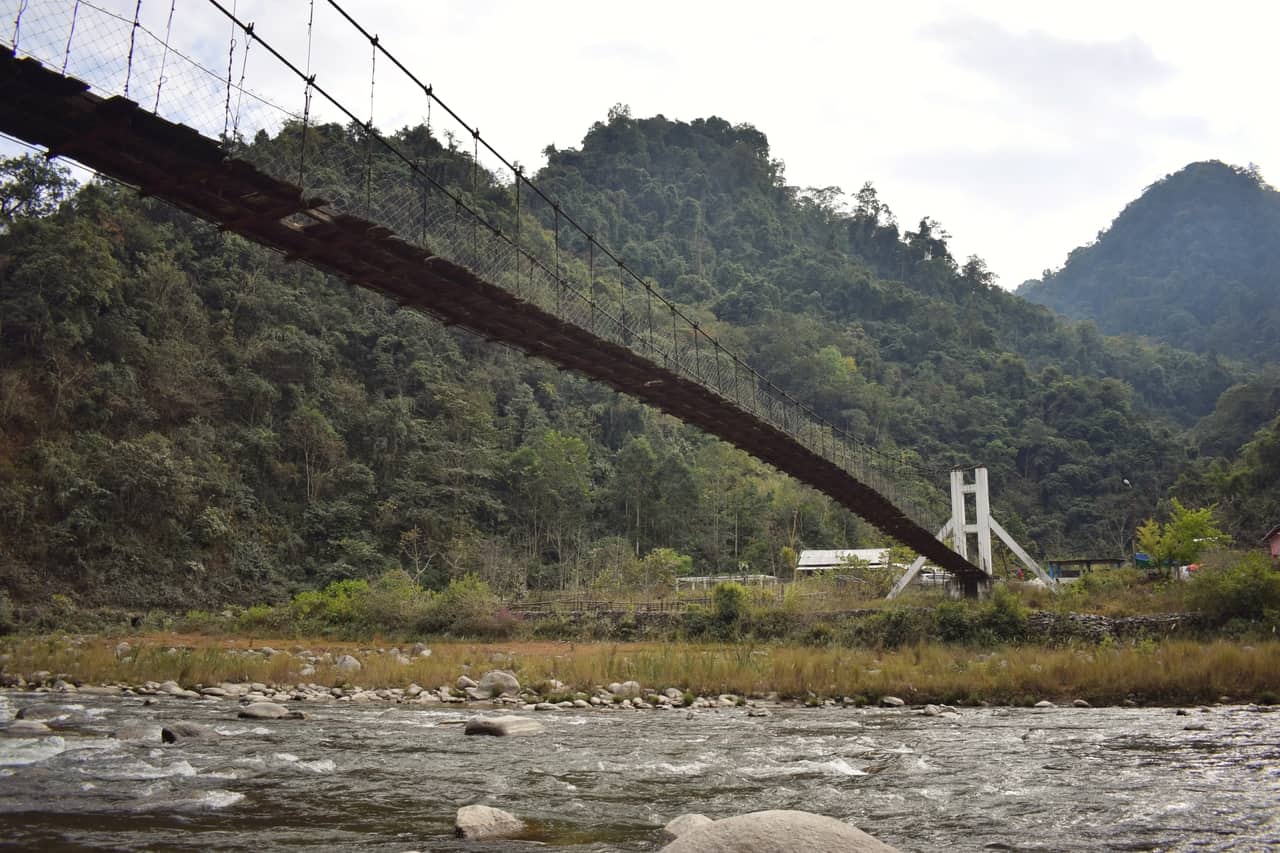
<point>506,726</point>
<point>498,682</point>
<point>27,728</point>
<point>684,824</point>
<point>780,831</point>
<point>626,689</point>
<point>174,732</point>
<point>347,664</point>
<point>476,823</point>
<point>269,711</point>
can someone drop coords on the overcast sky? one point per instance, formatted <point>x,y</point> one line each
<point>1023,127</point>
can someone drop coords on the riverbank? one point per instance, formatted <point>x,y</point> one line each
<point>1172,672</point>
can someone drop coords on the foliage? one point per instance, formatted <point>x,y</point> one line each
<point>31,186</point>
<point>1183,538</point>
<point>1247,588</point>
<point>187,420</point>
<point>1182,264</point>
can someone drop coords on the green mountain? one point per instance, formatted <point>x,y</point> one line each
<point>188,420</point>
<point>1194,262</point>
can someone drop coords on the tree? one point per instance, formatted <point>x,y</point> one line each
<point>1183,538</point>
<point>31,186</point>
<point>634,472</point>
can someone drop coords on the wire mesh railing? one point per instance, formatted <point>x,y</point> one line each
<point>311,119</point>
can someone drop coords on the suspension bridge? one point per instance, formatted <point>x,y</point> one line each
<point>191,104</point>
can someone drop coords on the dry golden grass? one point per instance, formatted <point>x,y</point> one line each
<point>1171,672</point>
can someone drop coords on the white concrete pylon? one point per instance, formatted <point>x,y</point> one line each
<point>982,527</point>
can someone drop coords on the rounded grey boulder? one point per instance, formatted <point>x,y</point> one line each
<point>28,727</point>
<point>498,682</point>
<point>778,831</point>
<point>269,711</point>
<point>476,823</point>
<point>684,824</point>
<point>174,732</point>
<point>505,726</point>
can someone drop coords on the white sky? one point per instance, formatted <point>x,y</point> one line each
<point>1023,127</point>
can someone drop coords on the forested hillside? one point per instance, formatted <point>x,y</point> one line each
<point>1194,262</point>
<point>186,419</point>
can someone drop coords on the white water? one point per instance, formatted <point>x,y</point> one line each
<point>373,778</point>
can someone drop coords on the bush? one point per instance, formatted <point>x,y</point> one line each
<point>340,604</point>
<point>393,602</point>
<point>954,622</point>
<point>698,622</point>
<point>822,634</point>
<point>728,607</point>
<point>7,621</point>
<point>1248,589</point>
<point>499,624</point>
<point>770,623</point>
<point>261,617</point>
<point>1005,617</point>
<point>465,607</point>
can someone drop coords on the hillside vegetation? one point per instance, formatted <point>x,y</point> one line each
<point>188,420</point>
<point>1194,262</point>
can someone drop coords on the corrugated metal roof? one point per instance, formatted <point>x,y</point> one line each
<point>831,559</point>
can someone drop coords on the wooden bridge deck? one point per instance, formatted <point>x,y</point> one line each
<point>115,137</point>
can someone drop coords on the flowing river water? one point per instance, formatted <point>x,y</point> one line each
<point>381,778</point>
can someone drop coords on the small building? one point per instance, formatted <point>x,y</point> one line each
<point>812,562</point>
<point>1071,569</point>
<point>1272,540</point>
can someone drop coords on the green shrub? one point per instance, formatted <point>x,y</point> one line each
<point>466,607</point>
<point>500,624</point>
<point>954,622</point>
<point>697,622</point>
<point>1247,589</point>
<point>394,602</point>
<point>261,617</point>
<point>728,607</point>
<point>821,634</point>
<point>769,623</point>
<point>1004,616</point>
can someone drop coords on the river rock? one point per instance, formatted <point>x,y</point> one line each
<point>123,650</point>
<point>99,690</point>
<point>1045,703</point>
<point>269,711</point>
<point>148,732</point>
<point>506,726</point>
<point>1081,703</point>
<point>891,702</point>
<point>27,728</point>
<point>477,823</point>
<point>174,732</point>
<point>498,682</point>
<point>776,831</point>
<point>346,663</point>
<point>43,712</point>
<point>464,682</point>
<point>683,825</point>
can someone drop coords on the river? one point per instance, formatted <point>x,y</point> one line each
<point>390,778</point>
